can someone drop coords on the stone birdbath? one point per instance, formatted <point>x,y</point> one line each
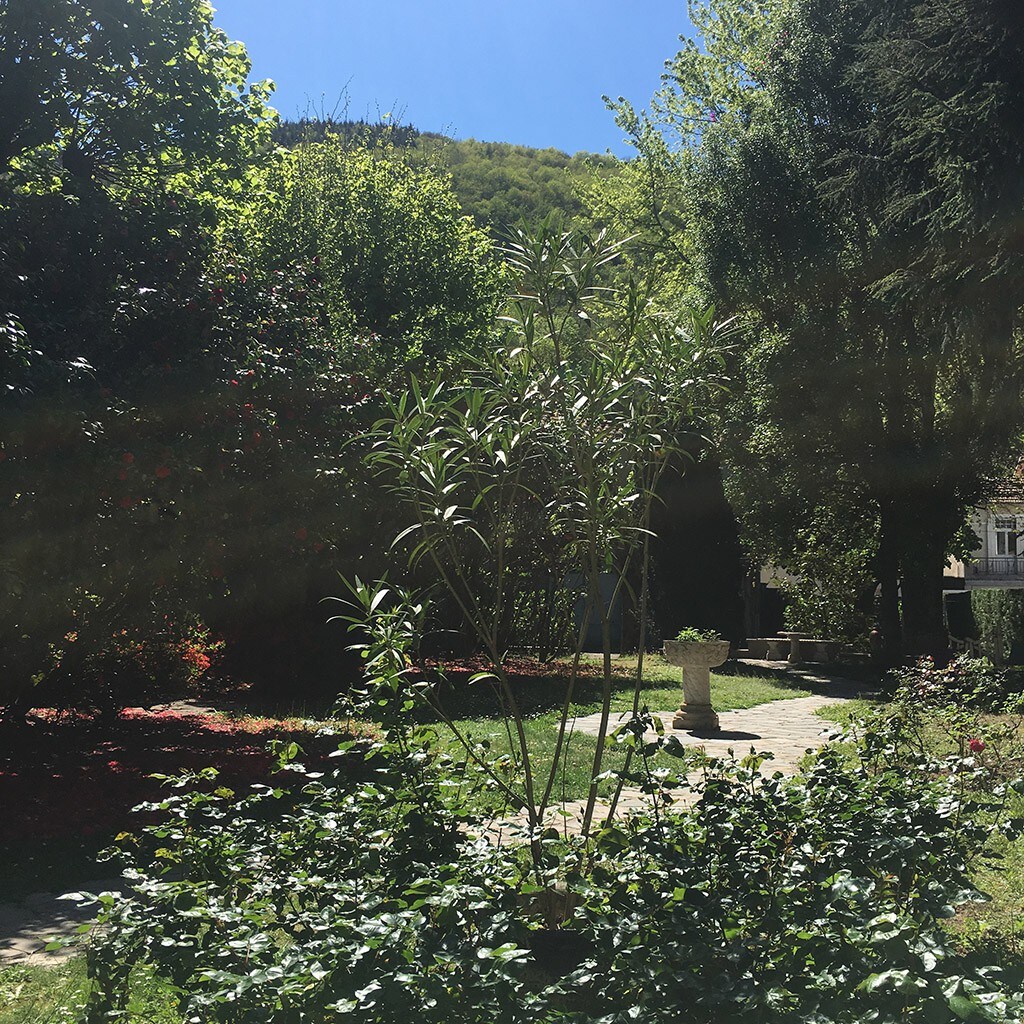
<point>696,658</point>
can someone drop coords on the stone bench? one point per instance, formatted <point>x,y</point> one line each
<point>817,650</point>
<point>794,649</point>
<point>769,648</point>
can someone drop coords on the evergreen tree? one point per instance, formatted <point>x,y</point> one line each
<point>851,178</point>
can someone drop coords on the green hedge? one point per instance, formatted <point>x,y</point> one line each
<point>993,617</point>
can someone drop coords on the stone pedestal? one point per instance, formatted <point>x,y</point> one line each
<point>696,659</point>
<point>794,639</point>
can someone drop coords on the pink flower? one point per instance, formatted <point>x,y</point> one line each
<point>976,746</point>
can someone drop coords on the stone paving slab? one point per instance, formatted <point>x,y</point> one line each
<point>785,728</point>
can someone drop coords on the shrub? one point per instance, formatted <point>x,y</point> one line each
<point>999,623</point>
<point>137,667</point>
<point>968,707</point>
<point>360,896</point>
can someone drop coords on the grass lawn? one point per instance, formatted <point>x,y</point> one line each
<point>57,995</point>
<point>730,689</point>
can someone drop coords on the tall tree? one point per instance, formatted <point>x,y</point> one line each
<point>125,130</point>
<point>109,87</point>
<point>191,325</point>
<point>855,185</point>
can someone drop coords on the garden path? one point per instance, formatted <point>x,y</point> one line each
<point>26,926</point>
<point>786,729</point>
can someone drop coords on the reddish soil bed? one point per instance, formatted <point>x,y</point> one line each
<point>76,777</point>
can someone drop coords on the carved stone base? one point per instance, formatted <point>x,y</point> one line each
<point>696,718</point>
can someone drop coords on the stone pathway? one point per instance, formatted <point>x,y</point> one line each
<point>787,729</point>
<point>26,926</point>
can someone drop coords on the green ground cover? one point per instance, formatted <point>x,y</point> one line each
<point>56,995</point>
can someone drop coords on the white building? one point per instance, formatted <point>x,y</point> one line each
<point>999,524</point>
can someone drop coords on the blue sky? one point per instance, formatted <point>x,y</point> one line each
<point>530,72</point>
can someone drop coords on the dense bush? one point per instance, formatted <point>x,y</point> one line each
<point>967,707</point>
<point>360,896</point>
<point>139,666</point>
<point>998,623</point>
<point>192,329</point>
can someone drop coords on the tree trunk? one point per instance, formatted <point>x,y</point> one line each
<point>924,629</point>
<point>887,572</point>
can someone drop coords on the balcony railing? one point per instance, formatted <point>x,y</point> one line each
<point>1004,566</point>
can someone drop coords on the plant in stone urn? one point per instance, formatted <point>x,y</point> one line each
<point>696,652</point>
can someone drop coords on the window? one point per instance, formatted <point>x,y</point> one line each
<point>1006,535</point>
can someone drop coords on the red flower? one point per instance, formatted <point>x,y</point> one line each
<point>301,533</point>
<point>127,458</point>
<point>976,746</point>
<point>122,474</point>
<point>126,502</point>
<point>162,472</point>
<point>234,383</point>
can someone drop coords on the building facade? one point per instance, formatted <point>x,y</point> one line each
<point>998,561</point>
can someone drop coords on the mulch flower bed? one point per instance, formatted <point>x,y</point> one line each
<point>75,776</point>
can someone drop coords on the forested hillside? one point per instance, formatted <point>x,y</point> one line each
<point>498,184</point>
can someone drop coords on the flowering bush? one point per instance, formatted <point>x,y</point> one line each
<point>137,667</point>
<point>967,706</point>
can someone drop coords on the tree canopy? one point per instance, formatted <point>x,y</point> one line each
<point>848,178</point>
<point>103,89</point>
<point>195,326</point>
